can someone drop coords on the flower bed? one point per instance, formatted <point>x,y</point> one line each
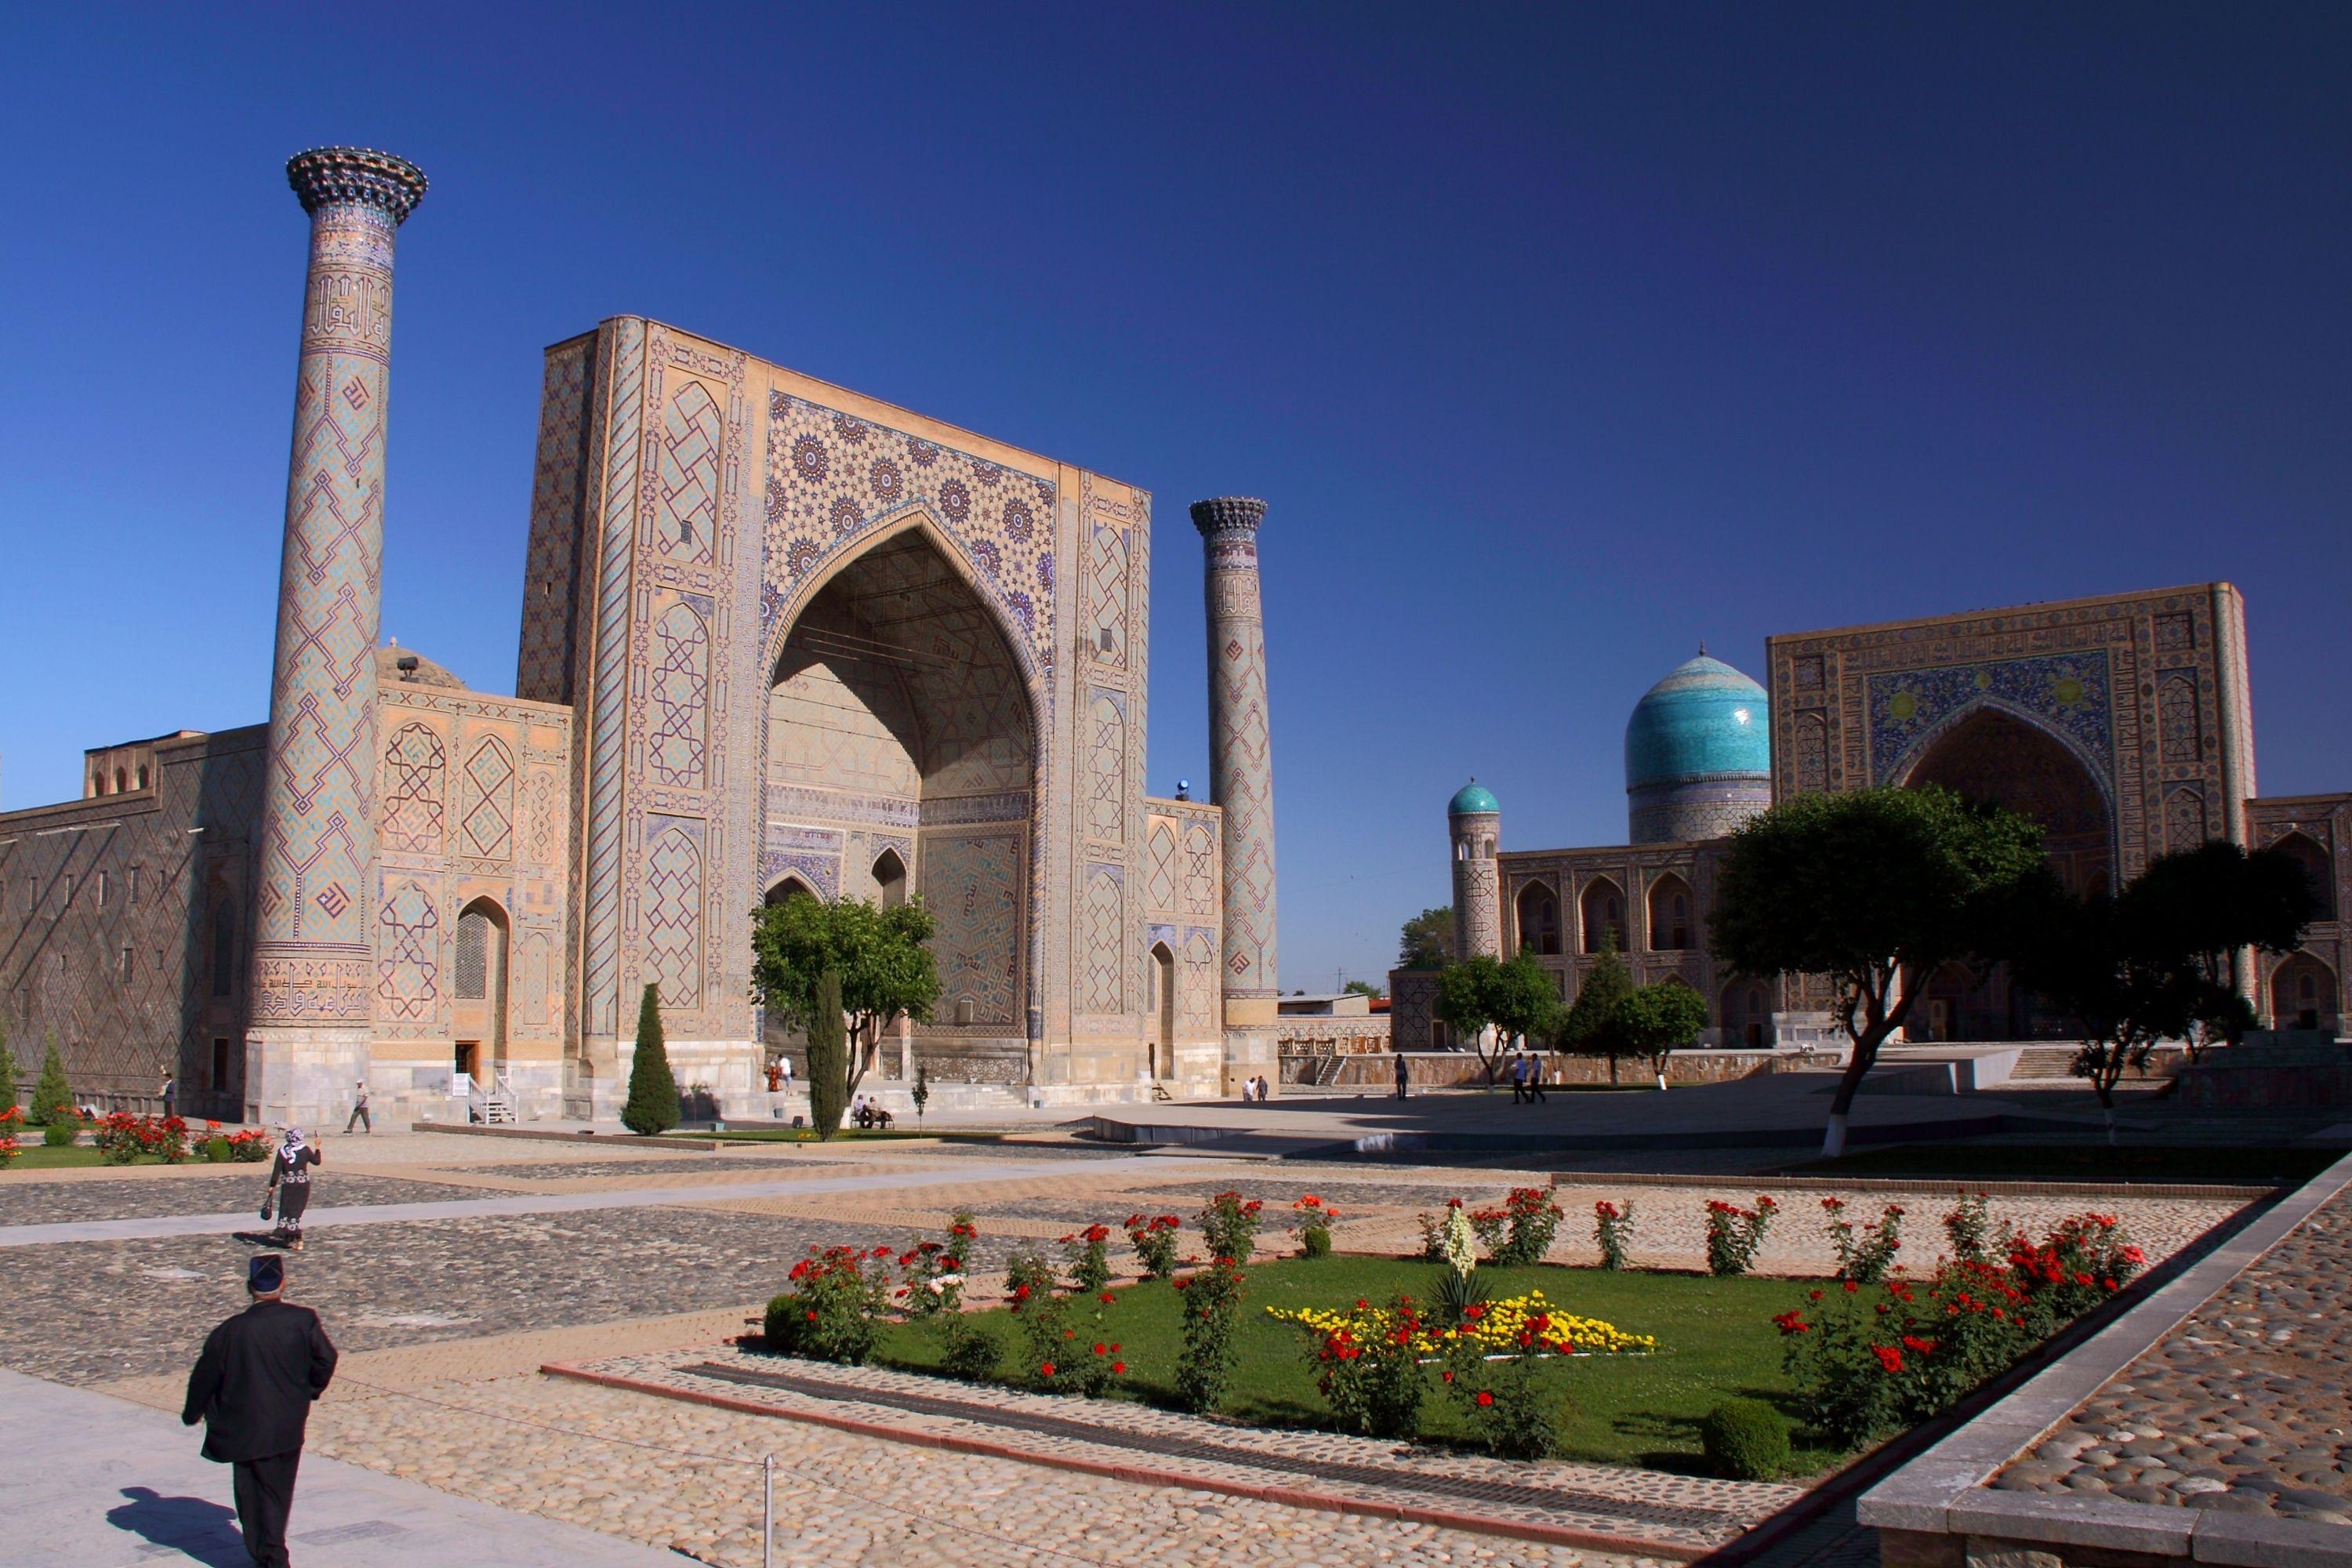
<point>1496,1327</point>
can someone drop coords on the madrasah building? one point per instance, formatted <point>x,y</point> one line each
<point>777,637</point>
<point>2121,724</point>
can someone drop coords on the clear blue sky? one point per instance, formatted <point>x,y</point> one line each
<point>1557,338</point>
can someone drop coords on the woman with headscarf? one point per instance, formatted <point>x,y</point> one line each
<point>290,1184</point>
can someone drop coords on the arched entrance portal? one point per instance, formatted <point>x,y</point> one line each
<point>901,762</point>
<point>1163,985</point>
<point>1995,756</point>
<point>2302,994</point>
<point>478,995</point>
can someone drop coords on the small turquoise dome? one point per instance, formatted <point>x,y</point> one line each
<point>1472,798</point>
<point>1703,721</point>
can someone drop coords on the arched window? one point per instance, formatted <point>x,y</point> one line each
<point>2302,994</point>
<point>1462,850</point>
<point>1603,911</point>
<point>473,956</point>
<point>121,781</point>
<point>790,887</point>
<point>2308,855</point>
<point>1670,914</point>
<point>891,877</point>
<point>1538,910</point>
<point>142,777</point>
<point>1163,983</point>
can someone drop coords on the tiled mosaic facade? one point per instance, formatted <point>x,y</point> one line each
<point>2121,724</point>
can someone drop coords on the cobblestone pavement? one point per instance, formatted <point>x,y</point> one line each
<point>1680,1514</point>
<point>688,1477</point>
<point>51,1203</point>
<point>127,1308</point>
<point>2245,1405</point>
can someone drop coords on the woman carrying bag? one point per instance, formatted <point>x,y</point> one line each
<point>289,1188</point>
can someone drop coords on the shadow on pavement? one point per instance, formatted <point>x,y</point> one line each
<point>203,1531</point>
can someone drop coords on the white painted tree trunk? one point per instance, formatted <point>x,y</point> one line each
<point>1833,1139</point>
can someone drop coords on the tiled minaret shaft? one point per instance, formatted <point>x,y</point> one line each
<point>1241,759</point>
<point>308,1036</point>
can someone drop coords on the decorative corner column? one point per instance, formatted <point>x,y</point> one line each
<point>1241,781</point>
<point>308,1032</point>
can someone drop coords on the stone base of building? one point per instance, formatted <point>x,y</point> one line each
<point>297,1077</point>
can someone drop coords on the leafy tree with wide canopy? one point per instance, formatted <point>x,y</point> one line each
<point>885,970</point>
<point>1520,999</point>
<point>1876,890</point>
<point>1661,1017</point>
<point>1427,939</point>
<point>2098,960</point>
<point>1595,1024</point>
<point>2207,907</point>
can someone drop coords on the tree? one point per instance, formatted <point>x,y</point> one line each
<point>1663,1018</point>
<point>828,1056</point>
<point>2206,906</point>
<point>1515,999</point>
<point>1594,1023</point>
<point>876,954</point>
<point>2121,979</point>
<point>1362,988</point>
<point>1876,890</point>
<point>652,1105</point>
<point>1427,939</point>
<point>8,1069</point>
<point>53,1096</point>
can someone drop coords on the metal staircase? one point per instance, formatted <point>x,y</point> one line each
<point>494,1105</point>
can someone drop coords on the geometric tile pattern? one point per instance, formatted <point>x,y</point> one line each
<point>681,690</point>
<point>1160,867</point>
<point>1102,945</point>
<point>318,818</point>
<point>550,599</point>
<point>488,821</point>
<point>674,912</point>
<point>413,767</point>
<point>687,473</point>
<point>972,885</point>
<point>1241,761</point>
<point>1107,769</point>
<point>2068,693</point>
<point>408,954</point>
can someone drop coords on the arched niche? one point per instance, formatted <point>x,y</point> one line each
<point>2317,871</point>
<point>1997,756</point>
<point>1602,914</point>
<point>1537,910</point>
<point>2302,994</point>
<point>1671,911</point>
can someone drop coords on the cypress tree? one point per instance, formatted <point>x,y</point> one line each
<point>7,1069</point>
<point>53,1097</point>
<point>828,1056</point>
<point>653,1092</point>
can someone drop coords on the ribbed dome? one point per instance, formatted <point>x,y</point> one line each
<point>1705,721</point>
<point>1472,798</point>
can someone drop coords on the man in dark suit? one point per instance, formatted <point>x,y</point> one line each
<point>252,1388</point>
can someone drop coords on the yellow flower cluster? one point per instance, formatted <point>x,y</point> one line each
<point>1497,1327</point>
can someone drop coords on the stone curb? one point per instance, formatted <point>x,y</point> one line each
<point>1943,1492</point>
<point>2248,1192</point>
<point>1153,1476</point>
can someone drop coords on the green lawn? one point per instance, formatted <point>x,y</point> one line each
<point>1715,1338</point>
<point>31,1154</point>
<point>2078,1162</point>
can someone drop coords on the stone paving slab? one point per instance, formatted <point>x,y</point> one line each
<point>1601,1507</point>
<point>117,1486</point>
<point>77,1202</point>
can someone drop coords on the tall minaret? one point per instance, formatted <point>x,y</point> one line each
<point>1474,827</point>
<point>1241,773</point>
<point>308,1036</point>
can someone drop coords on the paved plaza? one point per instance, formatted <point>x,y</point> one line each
<point>451,1269</point>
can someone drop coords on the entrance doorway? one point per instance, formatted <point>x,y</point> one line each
<point>1163,980</point>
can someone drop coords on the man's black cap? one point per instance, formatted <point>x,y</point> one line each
<point>265,1274</point>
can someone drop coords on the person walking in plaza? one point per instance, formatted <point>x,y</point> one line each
<point>359,1115</point>
<point>171,1095</point>
<point>1404,1074</point>
<point>252,1388</point>
<point>289,1185</point>
<point>1534,1075</point>
<point>1518,1078</point>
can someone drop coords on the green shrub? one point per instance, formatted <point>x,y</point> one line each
<point>1154,1238</point>
<point>53,1096</point>
<point>1212,1304</point>
<point>653,1093</point>
<point>1369,1373</point>
<point>1229,1225</point>
<point>1745,1440</point>
<point>61,1133</point>
<point>828,1056</point>
<point>1315,1241</point>
<point>967,1350</point>
<point>217,1150</point>
<point>1735,1235</point>
<point>1087,1253</point>
<point>1513,1404</point>
<point>834,1310</point>
<point>1534,1219</point>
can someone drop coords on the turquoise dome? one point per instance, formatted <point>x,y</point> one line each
<point>1472,798</point>
<point>1703,721</point>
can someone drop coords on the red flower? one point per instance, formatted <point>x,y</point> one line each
<point>1108,1299</point>
<point>1919,1346</point>
<point>1850,1286</point>
<point>1485,1399</point>
<point>812,1316</point>
<point>1114,1347</point>
<point>1888,1357</point>
<point>1361,1303</point>
<point>1448,1376</point>
<point>1118,1367</point>
<point>1046,1371</point>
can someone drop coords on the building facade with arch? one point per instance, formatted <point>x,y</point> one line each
<point>2121,724</point>
<point>776,635</point>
